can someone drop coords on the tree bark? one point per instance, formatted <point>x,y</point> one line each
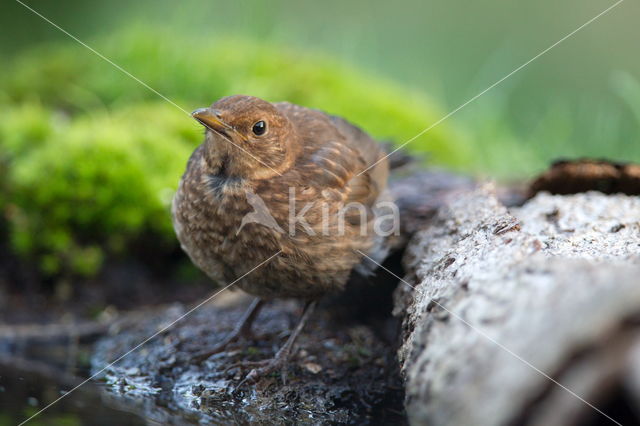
<point>499,303</point>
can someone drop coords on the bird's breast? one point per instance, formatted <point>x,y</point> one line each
<point>214,222</point>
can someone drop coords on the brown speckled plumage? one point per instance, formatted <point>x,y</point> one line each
<point>314,154</point>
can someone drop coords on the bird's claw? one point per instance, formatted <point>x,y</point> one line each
<point>260,369</point>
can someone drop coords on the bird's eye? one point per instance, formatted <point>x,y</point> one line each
<point>260,128</point>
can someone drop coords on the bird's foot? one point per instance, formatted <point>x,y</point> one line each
<point>244,365</point>
<point>263,368</point>
<point>220,347</point>
<point>242,329</point>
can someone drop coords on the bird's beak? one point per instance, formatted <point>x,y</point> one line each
<point>210,119</point>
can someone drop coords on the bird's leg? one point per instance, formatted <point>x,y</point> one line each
<point>283,354</point>
<point>242,328</point>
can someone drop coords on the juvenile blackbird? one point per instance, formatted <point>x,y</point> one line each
<point>278,178</point>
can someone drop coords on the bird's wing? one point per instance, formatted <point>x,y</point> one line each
<point>370,177</point>
<point>336,157</point>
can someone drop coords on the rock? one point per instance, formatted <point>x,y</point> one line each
<point>313,367</point>
<point>514,316</point>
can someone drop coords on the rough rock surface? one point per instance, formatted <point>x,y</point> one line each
<point>497,299</point>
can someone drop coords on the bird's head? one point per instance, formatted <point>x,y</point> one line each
<point>248,137</point>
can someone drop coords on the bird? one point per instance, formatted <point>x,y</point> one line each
<point>259,215</point>
<point>283,182</point>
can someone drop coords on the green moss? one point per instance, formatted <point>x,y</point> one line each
<point>74,79</point>
<point>90,157</point>
<point>96,185</point>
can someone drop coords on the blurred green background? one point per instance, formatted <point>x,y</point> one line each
<point>89,157</point>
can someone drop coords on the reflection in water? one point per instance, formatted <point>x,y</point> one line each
<point>27,387</point>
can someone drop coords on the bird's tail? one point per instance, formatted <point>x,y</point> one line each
<point>400,158</point>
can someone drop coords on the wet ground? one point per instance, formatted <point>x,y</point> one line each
<point>344,369</point>
<point>343,372</point>
<point>25,388</point>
